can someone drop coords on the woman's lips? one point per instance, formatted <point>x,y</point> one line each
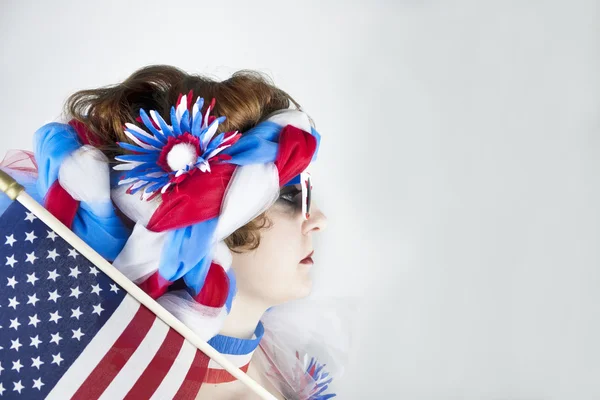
<point>308,259</point>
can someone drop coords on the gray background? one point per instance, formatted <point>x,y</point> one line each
<point>459,166</point>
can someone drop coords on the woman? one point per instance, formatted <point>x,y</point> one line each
<point>206,205</point>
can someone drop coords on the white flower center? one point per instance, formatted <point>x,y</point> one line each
<point>181,155</point>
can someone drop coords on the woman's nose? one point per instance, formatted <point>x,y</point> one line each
<point>317,221</point>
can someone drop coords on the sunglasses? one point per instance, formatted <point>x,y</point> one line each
<point>306,183</point>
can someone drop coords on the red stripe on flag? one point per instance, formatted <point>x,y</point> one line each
<point>222,375</point>
<point>118,355</point>
<point>194,378</point>
<point>158,368</point>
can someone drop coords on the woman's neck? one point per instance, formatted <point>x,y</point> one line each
<point>243,317</point>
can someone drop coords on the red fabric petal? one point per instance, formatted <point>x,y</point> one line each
<point>20,160</point>
<point>155,285</point>
<point>60,204</point>
<point>85,136</point>
<point>198,198</point>
<point>216,287</point>
<point>296,149</point>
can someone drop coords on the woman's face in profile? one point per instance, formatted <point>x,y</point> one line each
<point>273,272</point>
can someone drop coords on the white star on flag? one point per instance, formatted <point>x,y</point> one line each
<point>56,359</point>
<point>30,217</point>
<point>37,362</point>
<point>14,323</point>
<point>55,338</point>
<point>94,271</point>
<point>37,383</point>
<point>11,261</point>
<point>35,341</point>
<point>77,334</point>
<point>18,387</point>
<point>52,254</point>
<point>74,272</point>
<point>12,282</point>
<point>30,236</point>
<point>17,365</point>
<point>31,278</point>
<point>10,240</point>
<point>33,320</point>
<point>32,299</point>
<point>15,344</point>
<point>51,235</point>
<point>73,253</point>
<point>114,288</point>
<point>31,257</point>
<point>75,292</point>
<point>76,313</point>
<point>96,289</point>
<point>54,317</point>
<point>97,309</point>
<point>53,275</point>
<point>13,302</point>
<point>54,296</point>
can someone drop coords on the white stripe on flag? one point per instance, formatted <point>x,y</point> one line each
<point>239,360</point>
<point>95,350</point>
<point>174,378</point>
<point>138,362</point>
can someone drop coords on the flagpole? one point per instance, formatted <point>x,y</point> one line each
<point>15,191</point>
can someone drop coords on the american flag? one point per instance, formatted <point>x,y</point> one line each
<point>68,331</point>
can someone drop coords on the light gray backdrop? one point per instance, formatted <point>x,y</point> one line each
<point>459,168</point>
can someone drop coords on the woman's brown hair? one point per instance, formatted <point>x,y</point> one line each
<point>246,99</point>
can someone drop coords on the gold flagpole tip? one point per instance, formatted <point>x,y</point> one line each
<point>9,186</point>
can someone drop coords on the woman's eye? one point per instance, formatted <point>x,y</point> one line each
<point>290,196</point>
<point>287,197</point>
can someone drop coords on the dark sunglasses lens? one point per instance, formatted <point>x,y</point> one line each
<point>308,195</point>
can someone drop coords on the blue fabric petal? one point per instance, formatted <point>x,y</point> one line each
<point>214,143</point>
<point>185,122</point>
<point>133,173</point>
<point>231,345</point>
<point>101,228</point>
<point>197,126</point>
<point>174,123</point>
<point>294,181</point>
<point>139,149</point>
<point>150,158</point>
<point>186,248</point>
<point>266,130</point>
<point>52,143</point>
<point>166,129</point>
<point>145,139</point>
<point>251,150</point>
<point>317,136</point>
<point>157,185</point>
<point>150,125</point>
<point>194,278</point>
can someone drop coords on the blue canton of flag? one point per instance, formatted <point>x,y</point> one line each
<point>68,331</point>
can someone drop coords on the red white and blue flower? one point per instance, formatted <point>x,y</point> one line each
<point>164,155</point>
<point>321,378</point>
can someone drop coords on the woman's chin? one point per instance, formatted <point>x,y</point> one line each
<point>305,287</point>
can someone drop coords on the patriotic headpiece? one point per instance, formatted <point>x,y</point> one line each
<point>185,187</point>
